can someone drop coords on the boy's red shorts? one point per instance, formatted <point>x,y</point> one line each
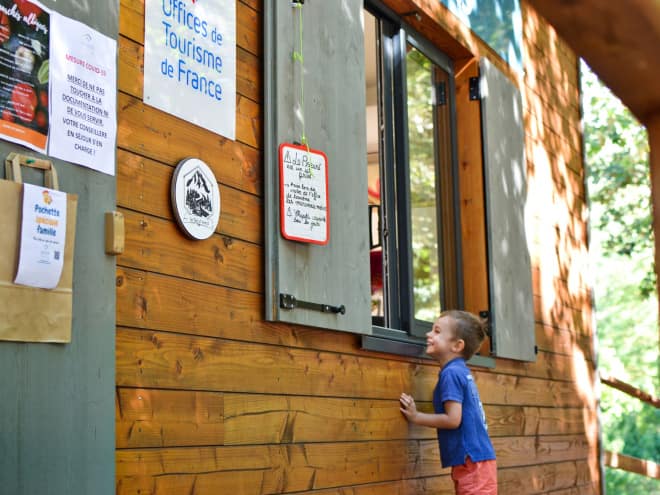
<point>475,478</point>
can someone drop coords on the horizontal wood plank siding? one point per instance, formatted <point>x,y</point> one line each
<point>170,418</point>
<point>221,261</point>
<point>144,186</point>
<point>212,399</point>
<point>301,466</point>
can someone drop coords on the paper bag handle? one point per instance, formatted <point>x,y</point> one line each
<point>13,164</point>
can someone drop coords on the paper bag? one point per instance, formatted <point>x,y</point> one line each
<point>29,314</point>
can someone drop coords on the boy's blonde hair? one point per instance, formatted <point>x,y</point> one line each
<point>469,328</point>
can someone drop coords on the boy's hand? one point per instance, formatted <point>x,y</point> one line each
<point>408,407</point>
<point>445,421</point>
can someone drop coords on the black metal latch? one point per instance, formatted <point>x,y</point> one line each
<point>440,94</point>
<point>287,301</point>
<point>475,90</point>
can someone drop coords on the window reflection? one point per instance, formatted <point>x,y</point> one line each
<point>373,169</point>
<point>423,183</point>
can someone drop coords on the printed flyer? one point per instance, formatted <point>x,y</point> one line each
<point>83,88</point>
<point>24,62</point>
<point>43,234</point>
<point>55,70</point>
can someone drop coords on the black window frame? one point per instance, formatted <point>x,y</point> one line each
<point>403,334</point>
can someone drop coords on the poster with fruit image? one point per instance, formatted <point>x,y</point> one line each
<point>24,73</point>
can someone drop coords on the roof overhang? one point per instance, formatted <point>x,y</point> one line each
<point>620,40</point>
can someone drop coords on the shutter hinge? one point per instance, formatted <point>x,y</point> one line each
<point>287,301</point>
<point>485,315</point>
<point>475,94</point>
<point>440,94</point>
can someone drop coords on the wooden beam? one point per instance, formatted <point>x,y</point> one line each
<point>653,130</point>
<point>618,40</point>
<point>630,390</point>
<point>632,464</point>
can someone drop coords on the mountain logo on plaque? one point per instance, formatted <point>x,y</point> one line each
<point>195,198</point>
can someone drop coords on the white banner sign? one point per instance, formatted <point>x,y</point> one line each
<point>190,61</point>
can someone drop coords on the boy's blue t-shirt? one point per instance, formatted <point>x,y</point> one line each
<point>471,437</point>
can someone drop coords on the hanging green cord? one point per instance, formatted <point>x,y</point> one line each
<point>298,55</point>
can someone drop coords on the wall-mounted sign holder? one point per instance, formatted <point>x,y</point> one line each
<point>195,198</point>
<point>304,201</point>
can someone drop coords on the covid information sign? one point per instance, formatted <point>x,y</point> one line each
<point>83,95</point>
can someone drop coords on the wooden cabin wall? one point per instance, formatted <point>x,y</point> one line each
<point>212,399</point>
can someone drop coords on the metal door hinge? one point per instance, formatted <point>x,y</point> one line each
<point>440,94</point>
<point>475,93</point>
<point>287,301</point>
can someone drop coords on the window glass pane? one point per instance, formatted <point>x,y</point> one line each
<point>497,22</point>
<point>373,169</point>
<point>423,184</point>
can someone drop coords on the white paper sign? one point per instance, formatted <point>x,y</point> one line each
<point>43,234</point>
<point>83,90</point>
<point>190,61</point>
<point>304,213</point>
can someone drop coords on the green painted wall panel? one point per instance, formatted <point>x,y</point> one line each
<point>57,407</point>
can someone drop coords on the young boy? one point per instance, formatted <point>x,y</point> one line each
<point>459,416</point>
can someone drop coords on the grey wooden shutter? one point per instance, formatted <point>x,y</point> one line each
<point>334,111</point>
<point>510,274</point>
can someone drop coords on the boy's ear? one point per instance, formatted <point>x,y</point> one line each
<point>458,346</point>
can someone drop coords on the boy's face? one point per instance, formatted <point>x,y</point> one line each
<point>441,342</point>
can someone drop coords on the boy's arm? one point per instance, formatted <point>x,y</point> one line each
<point>448,421</point>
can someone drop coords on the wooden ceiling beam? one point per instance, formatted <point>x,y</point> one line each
<point>619,40</point>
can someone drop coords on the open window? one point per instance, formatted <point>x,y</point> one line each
<point>411,179</point>
<point>448,236</point>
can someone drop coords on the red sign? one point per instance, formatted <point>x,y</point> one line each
<point>304,202</point>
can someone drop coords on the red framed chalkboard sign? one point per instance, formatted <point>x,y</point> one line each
<point>304,201</point>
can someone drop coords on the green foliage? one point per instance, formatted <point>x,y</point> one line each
<point>626,302</point>
<point>626,327</point>
<point>623,483</point>
<point>617,151</point>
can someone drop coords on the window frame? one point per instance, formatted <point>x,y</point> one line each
<point>404,334</point>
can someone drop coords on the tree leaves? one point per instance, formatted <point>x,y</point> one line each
<point>616,148</point>
<point>617,156</point>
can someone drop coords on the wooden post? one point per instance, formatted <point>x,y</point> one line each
<point>653,129</point>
